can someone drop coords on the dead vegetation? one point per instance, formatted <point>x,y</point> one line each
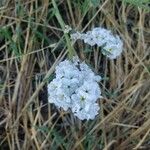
<point>32,44</point>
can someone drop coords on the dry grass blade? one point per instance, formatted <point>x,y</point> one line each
<point>32,43</point>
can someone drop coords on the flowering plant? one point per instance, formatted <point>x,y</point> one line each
<point>75,87</point>
<point>111,45</point>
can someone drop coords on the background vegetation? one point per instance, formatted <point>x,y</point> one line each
<point>32,43</point>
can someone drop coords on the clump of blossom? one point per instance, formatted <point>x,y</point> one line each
<point>75,87</point>
<point>111,45</point>
<point>76,36</point>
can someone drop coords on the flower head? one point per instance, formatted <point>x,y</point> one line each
<point>110,44</point>
<point>75,87</point>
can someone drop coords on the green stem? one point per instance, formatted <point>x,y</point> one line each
<point>71,50</point>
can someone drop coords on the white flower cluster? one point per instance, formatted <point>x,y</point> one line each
<point>111,45</point>
<point>75,87</point>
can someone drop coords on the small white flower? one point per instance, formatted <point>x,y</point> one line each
<point>67,29</point>
<point>88,112</point>
<point>89,38</point>
<point>65,69</point>
<point>89,90</point>
<point>53,86</point>
<point>88,74</point>
<point>69,86</point>
<point>76,36</point>
<point>62,101</point>
<point>113,49</point>
<point>99,35</point>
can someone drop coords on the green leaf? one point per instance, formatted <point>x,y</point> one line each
<point>51,14</point>
<point>42,128</point>
<point>95,3</point>
<point>144,4</point>
<point>7,34</point>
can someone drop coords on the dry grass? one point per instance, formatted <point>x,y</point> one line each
<point>32,44</point>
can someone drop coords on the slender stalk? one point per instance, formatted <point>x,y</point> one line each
<point>71,50</point>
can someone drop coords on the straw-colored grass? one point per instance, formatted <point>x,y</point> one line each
<point>32,43</point>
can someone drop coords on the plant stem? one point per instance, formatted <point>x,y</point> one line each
<point>71,50</point>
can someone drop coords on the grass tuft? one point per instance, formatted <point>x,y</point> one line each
<point>33,42</point>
